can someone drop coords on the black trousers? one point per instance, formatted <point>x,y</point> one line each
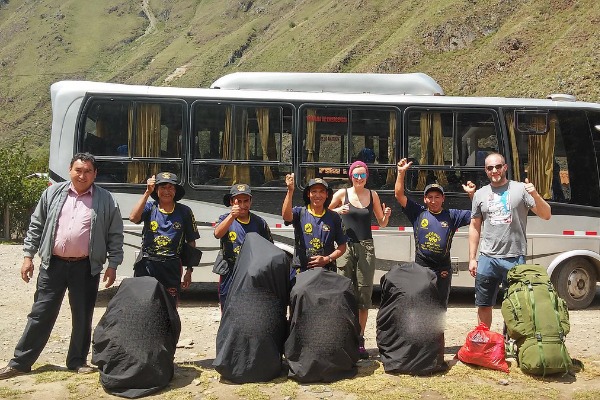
<point>52,284</point>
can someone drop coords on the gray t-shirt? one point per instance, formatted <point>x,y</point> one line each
<point>503,211</point>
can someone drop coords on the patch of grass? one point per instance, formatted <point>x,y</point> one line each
<point>177,394</point>
<point>8,393</point>
<point>586,395</point>
<point>288,388</point>
<point>47,374</point>
<point>251,391</point>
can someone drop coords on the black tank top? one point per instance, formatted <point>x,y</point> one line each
<point>357,222</point>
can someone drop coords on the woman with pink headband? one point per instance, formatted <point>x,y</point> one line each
<point>357,205</point>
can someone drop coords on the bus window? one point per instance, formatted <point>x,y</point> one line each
<point>120,132</point>
<point>332,138</point>
<point>560,161</point>
<point>239,143</point>
<point>324,141</point>
<point>373,138</point>
<point>449,147</point>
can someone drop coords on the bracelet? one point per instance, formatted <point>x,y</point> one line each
<point>330,259</point>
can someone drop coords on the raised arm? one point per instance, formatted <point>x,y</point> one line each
<point>542,208</point>
<point>138,208</point>
<point>286,209</point>
<point>402,166</point>
<point>470,189</point>
<point>223,227</point>
<point>382,213</point>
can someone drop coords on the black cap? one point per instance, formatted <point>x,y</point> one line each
<point>238,188</point>
<point>313,182</point>
<point>168,177</point>
<point>433,186</point>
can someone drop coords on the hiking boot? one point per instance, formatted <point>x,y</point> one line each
<point>362,352</point>
<point>10,372</point>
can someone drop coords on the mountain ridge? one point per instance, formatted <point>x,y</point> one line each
<point>471,47</point>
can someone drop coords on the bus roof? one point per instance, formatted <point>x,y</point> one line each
<point>68,91</point>
<point>413,84</point>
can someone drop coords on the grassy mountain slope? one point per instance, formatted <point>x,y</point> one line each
<point>522,48</point>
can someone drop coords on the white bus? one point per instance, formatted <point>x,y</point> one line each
<point>257,127</point>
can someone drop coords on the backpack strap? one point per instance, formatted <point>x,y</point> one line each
<point>538,334</point>
<point>561,332</point>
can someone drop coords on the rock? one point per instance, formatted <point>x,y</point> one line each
<point>503,382</point>
<point>185,344</point>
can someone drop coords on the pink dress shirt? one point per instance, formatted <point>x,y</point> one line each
<point>72,238</point>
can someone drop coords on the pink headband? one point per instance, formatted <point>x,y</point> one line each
<point>357,164</point>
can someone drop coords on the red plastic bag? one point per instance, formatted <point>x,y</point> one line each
<point>484,348</point>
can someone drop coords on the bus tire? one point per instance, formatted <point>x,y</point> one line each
<point>576,283</point>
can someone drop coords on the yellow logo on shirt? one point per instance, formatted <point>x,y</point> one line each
<point>153,226</point>
<point>424,223</point>
<point>232,236</point>
<point>308,228</point>
<point>316,243</point>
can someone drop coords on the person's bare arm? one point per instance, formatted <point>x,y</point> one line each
<point>382,213</point>
<point>542,208</point>
<point>474,235</point>
<point>138,208</point>
<point>402,166</point>
<point>286,209</point>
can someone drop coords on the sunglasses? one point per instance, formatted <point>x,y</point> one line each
<point>356,175</point>
<point>490,168</point>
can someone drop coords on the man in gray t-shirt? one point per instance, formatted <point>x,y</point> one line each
<point>498,226</point>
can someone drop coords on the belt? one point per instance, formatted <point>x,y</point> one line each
<point>70,259</point>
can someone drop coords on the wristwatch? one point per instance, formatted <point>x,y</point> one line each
<point>330,259</point>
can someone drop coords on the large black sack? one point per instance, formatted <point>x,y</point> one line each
<point>410,321</point>
<point>253,325</point>
<point>135,341</point>
<point>324,329</point>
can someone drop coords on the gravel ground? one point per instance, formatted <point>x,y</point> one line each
<point>195,378</point>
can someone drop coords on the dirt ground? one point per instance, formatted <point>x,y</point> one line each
<point>196,379</point>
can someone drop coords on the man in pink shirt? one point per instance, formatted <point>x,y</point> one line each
<point>76,227</point>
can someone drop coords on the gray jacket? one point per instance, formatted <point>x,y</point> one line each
<point>106,229</point>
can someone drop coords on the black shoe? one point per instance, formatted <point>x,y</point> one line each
<point>10,372</point>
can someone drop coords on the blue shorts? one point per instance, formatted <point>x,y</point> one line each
<point>490,273</point>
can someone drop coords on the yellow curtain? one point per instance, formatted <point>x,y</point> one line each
<point>391,175</point>
<point>241,173</point>
<point>425,129</point>
<point>541,156</point>
<point>510,123</point>
<point>262,115</point>
<point>147,143</point>
<point>100,128</point>
<point>226,170</point>
<point>311,132</point>
<point>431,126</point>
<point>438,149</point>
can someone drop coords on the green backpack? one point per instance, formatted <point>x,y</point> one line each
<point>538,320</point>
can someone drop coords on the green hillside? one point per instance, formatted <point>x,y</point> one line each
<point>522,48</point>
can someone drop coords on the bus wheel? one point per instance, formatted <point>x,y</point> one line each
<point>576,283</point>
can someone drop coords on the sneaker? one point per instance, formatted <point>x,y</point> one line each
<point>9,372</point>
<point>362,352</point>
